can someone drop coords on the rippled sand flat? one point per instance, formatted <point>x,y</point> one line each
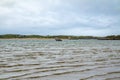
<point>52,60</point>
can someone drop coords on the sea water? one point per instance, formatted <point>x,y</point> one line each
<point>34,59</point>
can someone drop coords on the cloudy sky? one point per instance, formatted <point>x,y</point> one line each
<point>60,17</point>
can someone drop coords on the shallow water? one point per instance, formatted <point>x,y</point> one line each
<point>52,60</point>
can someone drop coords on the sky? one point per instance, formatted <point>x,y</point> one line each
<point>60,17</point>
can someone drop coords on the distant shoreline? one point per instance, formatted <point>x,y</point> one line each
<point>27,38</point>
<point>69,37</point>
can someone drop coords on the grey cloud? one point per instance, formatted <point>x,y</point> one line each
<point>57,16</point>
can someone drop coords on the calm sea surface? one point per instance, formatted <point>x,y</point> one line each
<point>53,60</point>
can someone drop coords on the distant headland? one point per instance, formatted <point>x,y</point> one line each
<point>19,36</point>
